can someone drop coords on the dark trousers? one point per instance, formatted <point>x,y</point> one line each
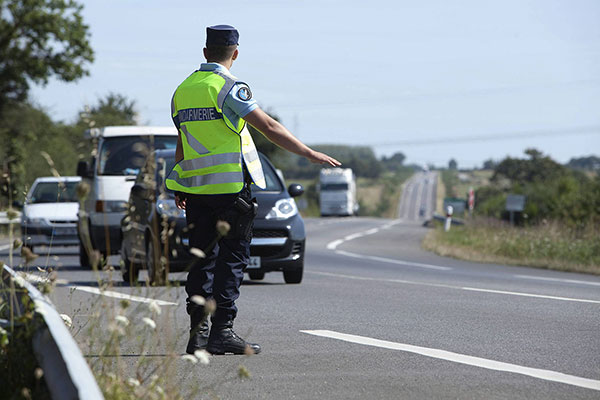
<point>220,274</point>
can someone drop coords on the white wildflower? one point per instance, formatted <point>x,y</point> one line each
<point>149,322</point>
<point>67,320</point>
<point>189,358</point>
<point>197,252</point>
<point>203,356</point>
<point>154,307</point>
<point>133,382</point>
<point>122,319</point>
<point>115,328</point>
<point>198,300</point>
<point>159,390</point>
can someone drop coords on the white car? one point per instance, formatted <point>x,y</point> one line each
<point>50,212</point>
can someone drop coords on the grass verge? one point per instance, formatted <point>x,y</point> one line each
<point>551,246</point>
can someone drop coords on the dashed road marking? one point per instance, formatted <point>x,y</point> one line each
<point>541,278</point>
<point>465,288</point>
<point>545,374</point>
<point>119,295</point>
<point>393,261</point>
<point>333,246</point>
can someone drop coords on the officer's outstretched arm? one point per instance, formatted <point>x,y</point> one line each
<point>279,135</point>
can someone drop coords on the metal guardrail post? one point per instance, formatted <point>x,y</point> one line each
<point>66,372</point>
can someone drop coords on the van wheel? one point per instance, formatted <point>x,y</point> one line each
<point>84,260</point>
<point>130,271</point>
<point>156,271</point>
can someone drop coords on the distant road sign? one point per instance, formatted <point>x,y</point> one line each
<point>515,202</point>
<point>457,204</point>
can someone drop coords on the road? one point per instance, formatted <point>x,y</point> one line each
<point>418,198</point>
<point>376,317</point>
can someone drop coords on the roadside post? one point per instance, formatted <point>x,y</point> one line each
<point>471,201</point>
<point>449,212</point>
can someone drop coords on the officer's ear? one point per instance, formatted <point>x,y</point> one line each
<point>234,56</point>
<point>205,53</point>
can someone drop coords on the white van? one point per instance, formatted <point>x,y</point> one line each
<point>49,215</point>
<point>337,192</point>
<point>121,152</point>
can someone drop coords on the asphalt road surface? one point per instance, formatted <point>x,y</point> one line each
<point>418,198</point>
<point>375,317</point>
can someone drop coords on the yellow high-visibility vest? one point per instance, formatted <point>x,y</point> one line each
<point>214,147</point>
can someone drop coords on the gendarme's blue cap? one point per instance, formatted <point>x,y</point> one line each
<point>221,35</point>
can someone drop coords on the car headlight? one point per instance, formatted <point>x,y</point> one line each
<point>283,209</point>
<point>169,209</point>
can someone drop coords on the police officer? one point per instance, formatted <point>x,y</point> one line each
<point>216,164</point>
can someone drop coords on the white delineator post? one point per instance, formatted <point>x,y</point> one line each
<point>449,211</point>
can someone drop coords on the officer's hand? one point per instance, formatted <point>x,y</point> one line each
<point>179,202</point>
<point>322,158</point>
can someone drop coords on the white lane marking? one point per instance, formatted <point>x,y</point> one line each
<point>334,244</point>
<point>354,236</point>
<point>470,289</point>
<point>39,279</point>
<point>119,295</point>
<point>5,247</point>
<point>494,365</point>
<point>393,261</point>
<point>540,278</point>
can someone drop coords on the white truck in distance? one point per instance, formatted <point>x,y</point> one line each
<point>337,192</point>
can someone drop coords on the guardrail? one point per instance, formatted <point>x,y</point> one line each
<point>4,218</point>
<point>66,372</point>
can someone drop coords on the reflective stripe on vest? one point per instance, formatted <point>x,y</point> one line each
<point>213,145</point>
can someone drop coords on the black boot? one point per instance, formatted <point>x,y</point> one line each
<point>223,340</point>
<point>199,328</point>
<point>198,338</point>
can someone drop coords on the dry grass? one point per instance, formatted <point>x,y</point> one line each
<point>551,246</point>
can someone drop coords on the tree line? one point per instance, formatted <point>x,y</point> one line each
<point>553,191</point>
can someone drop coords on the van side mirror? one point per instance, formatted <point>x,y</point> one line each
<point>295,190</point>
<point>83,169</point>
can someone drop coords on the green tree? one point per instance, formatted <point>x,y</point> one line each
<point>27,130</point>
<point>40,39</point>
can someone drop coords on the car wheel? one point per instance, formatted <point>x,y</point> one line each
<point>129,270</point>
<point>156,271</point>
<point>84,260</point>
<point>256,275</point>
<point>294,276</point>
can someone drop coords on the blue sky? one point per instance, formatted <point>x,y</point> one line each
<point>396,75</point>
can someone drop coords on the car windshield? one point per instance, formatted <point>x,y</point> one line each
<point>165,164</point>
<point>125,155</point>
<point>273,184</point>
<point>54,192</point>
<point>334,186</point>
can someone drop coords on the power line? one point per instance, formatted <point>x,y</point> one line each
<point>584,130</point>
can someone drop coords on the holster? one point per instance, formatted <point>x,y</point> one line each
<point>240,218</point>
